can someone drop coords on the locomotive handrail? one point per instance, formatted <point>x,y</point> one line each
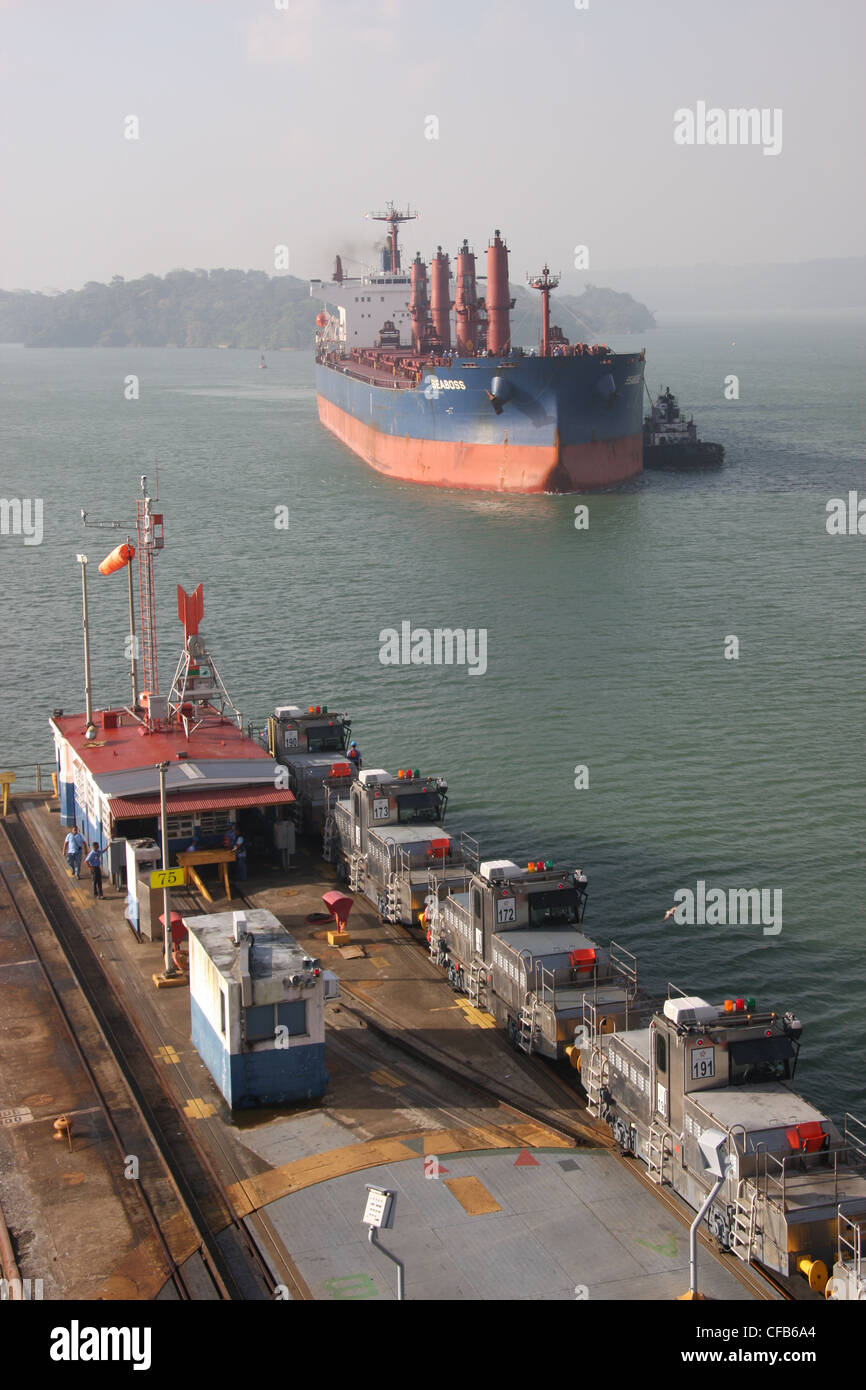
<point>855,1135</point>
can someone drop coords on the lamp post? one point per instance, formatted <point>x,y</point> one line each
<point>88,701</point>
<point>379,1215</point>
<point>166,891</point>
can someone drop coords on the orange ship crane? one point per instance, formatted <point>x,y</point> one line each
<point>545,282</point>
<point>393,218</point>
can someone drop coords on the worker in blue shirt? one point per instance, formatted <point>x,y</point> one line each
<point>354,756</point>
<point>94,863</point>
<point>73,848</point>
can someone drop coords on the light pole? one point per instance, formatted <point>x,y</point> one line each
<point>713,1146</point>
<point>379,1215</point>
<point>88,701</point>
<point>166,891</point>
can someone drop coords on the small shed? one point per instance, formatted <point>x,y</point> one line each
<point>257,1008</point>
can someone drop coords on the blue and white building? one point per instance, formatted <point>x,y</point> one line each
<point>257,1005</point>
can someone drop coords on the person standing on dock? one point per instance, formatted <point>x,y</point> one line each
<point>241,859</point>
<point>94,863</point>
<point>73,848</point>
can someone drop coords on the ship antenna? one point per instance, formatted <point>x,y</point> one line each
<point>545,282</point>
<point>393,218</point>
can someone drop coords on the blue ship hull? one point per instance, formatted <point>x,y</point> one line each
<point>509,424</point>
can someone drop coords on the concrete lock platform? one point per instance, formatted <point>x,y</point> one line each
<point>519,1213</point>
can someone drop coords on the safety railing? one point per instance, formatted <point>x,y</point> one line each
<point>29,777</point>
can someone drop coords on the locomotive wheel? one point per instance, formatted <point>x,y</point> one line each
<point>511,1032</point>
<point>452,977</point>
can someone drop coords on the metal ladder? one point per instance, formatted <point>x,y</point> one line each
<point>392,898</point>
<point>527,1025</point>
<point>473,984</point>
<point>592,1077</point>
<point>357,872</point>
<point>328,830</point>
<point>656,1153</point>
<point>744,1226</point>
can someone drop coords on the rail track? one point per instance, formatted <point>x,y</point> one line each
<point>232,1265</point>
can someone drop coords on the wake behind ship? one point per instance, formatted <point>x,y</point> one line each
<point>418,376</point>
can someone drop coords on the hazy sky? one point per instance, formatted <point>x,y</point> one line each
<point>261,125</point>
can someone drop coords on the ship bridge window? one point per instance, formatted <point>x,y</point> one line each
<point>554,909</point>
<point>418,806</point>
<point>325,738</point>
<point>760,1059</point>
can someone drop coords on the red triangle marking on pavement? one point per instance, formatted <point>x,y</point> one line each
<point>525,1160</point>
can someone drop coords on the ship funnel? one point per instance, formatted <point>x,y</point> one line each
<point>499,303</point>
<point>466,303</point>
<point>440,299</point>
<point>418,306</point>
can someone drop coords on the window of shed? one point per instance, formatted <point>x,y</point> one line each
<point>260,1022</point>
<point>293,1015</point>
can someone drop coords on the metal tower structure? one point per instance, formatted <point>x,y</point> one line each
<point>197,691</point>
<point>393,218</point>
<point>545,282</point>
<point>151,537</point>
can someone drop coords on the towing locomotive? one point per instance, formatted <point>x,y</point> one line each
<point>383,833</point>
<point>511,939</point>
<point>311,744</point>
<point>793,1198</point>
<point>792,1177</point>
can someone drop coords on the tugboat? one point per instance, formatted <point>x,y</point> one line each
<point>669,441</point>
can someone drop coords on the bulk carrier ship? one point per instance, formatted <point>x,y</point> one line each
<point>417,374</point>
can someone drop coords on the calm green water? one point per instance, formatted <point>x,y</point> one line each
<point>605,646</point>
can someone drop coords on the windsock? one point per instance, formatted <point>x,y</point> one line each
<point>119,557</point>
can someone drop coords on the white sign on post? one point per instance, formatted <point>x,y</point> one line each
<point>379,1208</point>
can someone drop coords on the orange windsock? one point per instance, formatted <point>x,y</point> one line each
<point>117,559</point>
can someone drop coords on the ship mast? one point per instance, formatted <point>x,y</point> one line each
<point>393,218</point>
<point>544,282</point>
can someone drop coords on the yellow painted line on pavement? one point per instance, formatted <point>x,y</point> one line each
<point>476,1016</point>
<point>199,1109</point>
<point>386,1078</point>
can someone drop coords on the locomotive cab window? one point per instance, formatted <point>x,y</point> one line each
<point>661,1054</point>
<point>325,738</point>
<point>418,806</point>
<point>761,1059</point>
<point>555,909</point>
